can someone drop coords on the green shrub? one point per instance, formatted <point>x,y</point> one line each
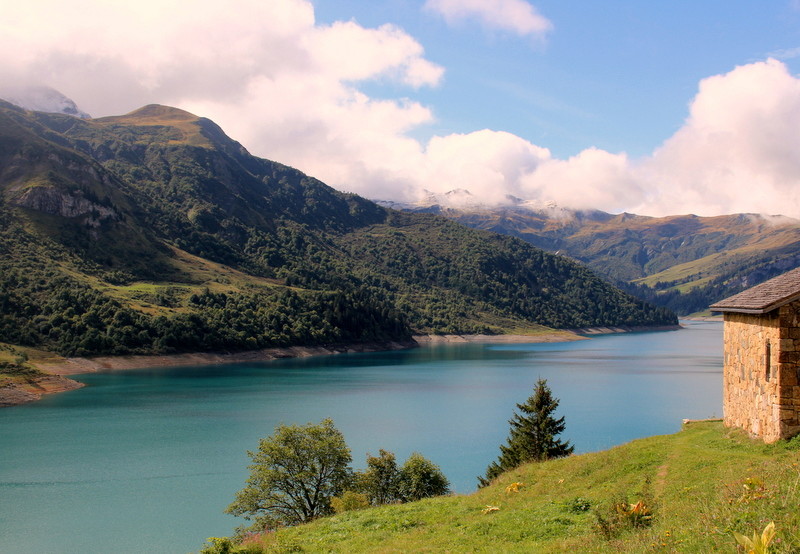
<point>349,501</point>
<point>578,505</point>
<point>421,478</point>
<point>217,545</point>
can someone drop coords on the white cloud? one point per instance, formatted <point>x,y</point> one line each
<point>516,16</point>
<point>489,164</point>
<point>592,179</point>
<point>738,151</point>
<point>785,53</point>
<point>273,78</point>
<point>288,89</point>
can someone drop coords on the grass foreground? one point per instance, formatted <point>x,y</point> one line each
<point>687,492</point>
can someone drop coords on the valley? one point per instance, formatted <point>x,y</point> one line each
<point>155,233</point>
<point>683,262</point>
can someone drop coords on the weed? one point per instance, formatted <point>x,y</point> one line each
<point>514,487</point>
<point>622,516</point>
<point>578,505</point>
<point>757,544</point>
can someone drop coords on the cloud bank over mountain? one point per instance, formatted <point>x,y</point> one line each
<point>297,91</point>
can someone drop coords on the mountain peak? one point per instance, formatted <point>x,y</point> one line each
<point>154,114</point>
<point>154,120</point>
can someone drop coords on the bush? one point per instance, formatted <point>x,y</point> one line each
<point>421,478</point>
<point>349,501</point>
<point>381,480</point>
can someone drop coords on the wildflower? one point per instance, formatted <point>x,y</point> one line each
<point>514,487</point>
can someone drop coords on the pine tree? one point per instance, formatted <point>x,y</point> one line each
<point>533,434</point>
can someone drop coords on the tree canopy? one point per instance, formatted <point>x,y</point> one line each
<point>420,478</point>
<point>294,475</point>
<point>302,472</point>
<point>533,434</point>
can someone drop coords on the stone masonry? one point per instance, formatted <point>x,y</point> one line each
<point>761,380</point>
<point>760,389</point>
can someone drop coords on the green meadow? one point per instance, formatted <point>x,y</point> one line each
<point>687,492</point>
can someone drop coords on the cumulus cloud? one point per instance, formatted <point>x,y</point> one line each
<point>738,151</point>
<point>592,179</point>
<point>288,88</point>
<point>274,78</point>
<point>489,164</point>
<point>515,16</point>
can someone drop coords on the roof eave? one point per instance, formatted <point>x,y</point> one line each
<point>756,311</point>
<point>752,311</point>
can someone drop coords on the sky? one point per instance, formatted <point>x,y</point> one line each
<point>656,108</point>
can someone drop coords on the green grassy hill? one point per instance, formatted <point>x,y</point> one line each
<point>699,485</point>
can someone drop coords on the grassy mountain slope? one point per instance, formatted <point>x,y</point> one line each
<point>683,262</point>
<point>155,232</point>
<point>699,485</point>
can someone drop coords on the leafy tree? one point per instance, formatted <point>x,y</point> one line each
<point>533,434</point>
<point>421,478</point>
<point>381,480</point>
<point>294,475</point>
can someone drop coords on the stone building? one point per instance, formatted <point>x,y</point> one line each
<point>761,391</point>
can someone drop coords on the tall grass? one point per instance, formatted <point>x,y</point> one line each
<point>687,492</point>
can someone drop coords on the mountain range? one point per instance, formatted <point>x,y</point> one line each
<point>683,262</point>
<point>156,232</point>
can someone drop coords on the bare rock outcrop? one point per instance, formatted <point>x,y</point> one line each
<point>55,202</point>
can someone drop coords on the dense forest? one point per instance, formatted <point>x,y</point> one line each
<point>682,262</point>
<point>155,232</point>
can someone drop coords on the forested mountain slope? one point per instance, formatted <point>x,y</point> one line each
<point>155,232</point>
<point>684,262</point>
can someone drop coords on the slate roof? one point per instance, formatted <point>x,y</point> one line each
<point>765,297</point>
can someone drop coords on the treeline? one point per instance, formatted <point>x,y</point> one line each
<point>492,273</point>
<point>50,310</point>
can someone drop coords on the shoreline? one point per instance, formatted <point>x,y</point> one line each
<point>14,393</point>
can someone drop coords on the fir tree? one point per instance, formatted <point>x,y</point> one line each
<point>533,434</point>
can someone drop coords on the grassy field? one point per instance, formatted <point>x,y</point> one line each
<point>14,362</point>
<point>687,492</point>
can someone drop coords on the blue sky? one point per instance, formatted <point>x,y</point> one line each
<point>650,107</point>
<point>617,75</point>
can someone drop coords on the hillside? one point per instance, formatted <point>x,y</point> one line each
<point>683,262</point>
<point>155,232</point>
<point>697,487</point>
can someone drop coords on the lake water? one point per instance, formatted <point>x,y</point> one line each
<point>147,460</point>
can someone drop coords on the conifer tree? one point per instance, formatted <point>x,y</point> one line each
<point>533,434</point>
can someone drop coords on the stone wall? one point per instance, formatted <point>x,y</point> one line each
<point>790,370</point>
<point>760,384</point>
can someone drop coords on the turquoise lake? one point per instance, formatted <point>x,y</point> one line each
<point>147,460</point>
